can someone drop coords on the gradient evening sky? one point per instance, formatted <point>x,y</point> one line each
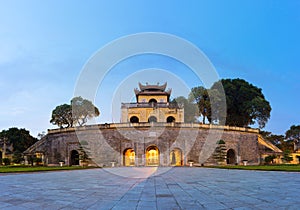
<point>45,44</point>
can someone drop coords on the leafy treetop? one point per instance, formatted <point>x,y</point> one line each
<point>78,112</point>
<point>246,103</point>
<point>20,139</point>
<point>293,135</point>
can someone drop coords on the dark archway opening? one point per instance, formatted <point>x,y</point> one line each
<point>152,101</point>
<point>74,159</point>
<point>170,119</point>
<point>134,119</point>
<point>152,119</point>
<point>231,159</point>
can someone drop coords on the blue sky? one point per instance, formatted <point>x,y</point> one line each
<point>45,44</point>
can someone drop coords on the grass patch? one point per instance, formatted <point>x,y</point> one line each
<point>23,169</point>
<point>283,167</point>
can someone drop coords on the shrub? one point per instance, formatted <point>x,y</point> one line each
<point>220,152</point>
<point>38,161</point>
<point>287,156</point>
<point>6,161</point>
<point>17,157</point>
<point>269,159</point>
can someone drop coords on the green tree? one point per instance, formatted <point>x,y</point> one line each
<point>277,140</point>
<point>293,135</point>
<point>84,151</point>
<point>6,161</point>
<point>217,114</point>
<point>246,104</point>
<point>18,157</point>
<point>269,159</point>
<point>190,109</point>
<point>199,95</point>
<point>287,156</point>
<point>78,112</point>
<point>20,139</point>
<point>220,152</point>
<point>83,110</point>
<point>62,116</point>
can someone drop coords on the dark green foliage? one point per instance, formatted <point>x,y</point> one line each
<point>269,159</point>
<point>199,96</point>
<point>18,157</point>
<point>31,159</point>
<point>274,139</point>
<point>278,140</point>
<point>84,151</point>
<point>246,103</point>
<point>293,135</point>
<point>287,156</point>
<point>62,116</point>
<point>82,110</point>
<point>78,112</point>
<point>38,161</point>
<point>6,161</point>
<point>220,152</point>
<point>20,139</point>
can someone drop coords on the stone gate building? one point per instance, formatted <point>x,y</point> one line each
<point>152,132</point>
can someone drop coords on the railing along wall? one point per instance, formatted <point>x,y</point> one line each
<point>152,124</point>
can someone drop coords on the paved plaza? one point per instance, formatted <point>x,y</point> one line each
<point>168,188</point>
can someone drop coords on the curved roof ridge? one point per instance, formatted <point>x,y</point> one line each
<point>155,87</point>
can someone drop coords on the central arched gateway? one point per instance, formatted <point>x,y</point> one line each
<point>129,157</point>
<point>74,158</point>
<point>152,156</point>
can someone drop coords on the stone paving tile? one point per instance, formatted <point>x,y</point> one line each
<point>178,188</point>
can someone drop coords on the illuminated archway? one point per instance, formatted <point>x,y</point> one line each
<point>129,157</point>
<point>176,157</point>
<point>152,156</point>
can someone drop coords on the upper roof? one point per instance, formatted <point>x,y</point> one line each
<point>152,89</point>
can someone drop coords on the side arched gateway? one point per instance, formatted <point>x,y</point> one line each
<point>231,158</point>
<point>152,156</point>
<point>129,157</point>
<point>74,157</point>
<point>176,157</point>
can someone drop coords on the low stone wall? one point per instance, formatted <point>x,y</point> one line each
<point>107,143</point>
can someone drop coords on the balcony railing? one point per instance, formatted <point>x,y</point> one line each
<point>152,105</point>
